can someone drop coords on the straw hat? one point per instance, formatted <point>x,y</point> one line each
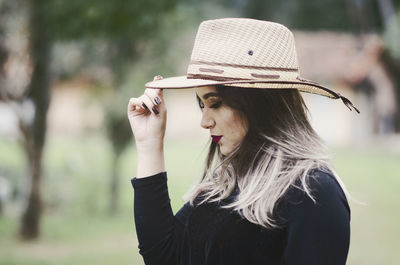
<point>245,53</point>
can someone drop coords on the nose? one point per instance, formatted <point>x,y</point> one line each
<point>206,121</point>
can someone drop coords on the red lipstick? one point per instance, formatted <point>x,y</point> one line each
<point>216,138</point>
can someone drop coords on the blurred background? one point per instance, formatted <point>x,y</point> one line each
<point>68,69</point>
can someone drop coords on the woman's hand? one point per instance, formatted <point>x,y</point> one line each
<point>147,115</point>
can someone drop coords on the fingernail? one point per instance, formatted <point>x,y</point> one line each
<point>155,110</point>
<point>157,100</point>
<point>144,106</point>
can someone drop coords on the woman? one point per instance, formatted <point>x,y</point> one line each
<point>268,194</point>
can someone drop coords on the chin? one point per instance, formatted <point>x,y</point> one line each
<point>225,151</point>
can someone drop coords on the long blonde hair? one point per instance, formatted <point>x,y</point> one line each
<point>278,152</point>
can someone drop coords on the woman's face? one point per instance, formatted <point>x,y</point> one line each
<point>226,125</point>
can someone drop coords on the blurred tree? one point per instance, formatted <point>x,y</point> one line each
<point>123,25</point>
<point>309,14</point>
<point>34,94</point>
<point>39,95</point>
<point>3,58</point>
<point>3,49</point>
<point>390,16</point>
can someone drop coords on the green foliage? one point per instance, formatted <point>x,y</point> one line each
<point>123,26</point>
<point>117,19</point>
<point>339,15</point>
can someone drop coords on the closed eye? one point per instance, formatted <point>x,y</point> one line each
<point>216,105</point>
<point>213,105</point>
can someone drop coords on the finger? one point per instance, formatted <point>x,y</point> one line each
<point>149,104</point>
<point>134,105</point>
<point>157,77</point>
<point>156,95</point>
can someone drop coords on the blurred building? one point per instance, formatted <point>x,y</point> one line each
<point>353,66</point>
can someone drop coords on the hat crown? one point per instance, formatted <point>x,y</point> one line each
<point>245,53</point>
<point>245,42</point>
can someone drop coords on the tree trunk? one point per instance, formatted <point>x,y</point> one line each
<point>358,12</point>
<point>388,12</point>
<point>3,51</point>
<point>30,223</point>
<point>114,186</point>
<point>34,132</point>
<point>118,130</point>
<point>391,60</point>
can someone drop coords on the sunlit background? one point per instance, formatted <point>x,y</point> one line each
<point>69,67</point>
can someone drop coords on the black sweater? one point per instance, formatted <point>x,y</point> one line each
<point>209,235</point>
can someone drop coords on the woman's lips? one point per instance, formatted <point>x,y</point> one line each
<point>216,138</point>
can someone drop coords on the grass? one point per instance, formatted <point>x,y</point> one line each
<point>372,177</point>
<point>76,228</point>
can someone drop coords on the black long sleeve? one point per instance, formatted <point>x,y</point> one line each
<point>314,233</point>
<point>159,232</point>
<point>318,233</point>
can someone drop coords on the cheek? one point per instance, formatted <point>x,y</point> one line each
<point>241,129</point>
<point>238,127</point>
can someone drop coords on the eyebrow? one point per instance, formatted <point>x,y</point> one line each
<point>211,94</point>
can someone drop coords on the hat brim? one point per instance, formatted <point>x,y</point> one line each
<point>180,82</point>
